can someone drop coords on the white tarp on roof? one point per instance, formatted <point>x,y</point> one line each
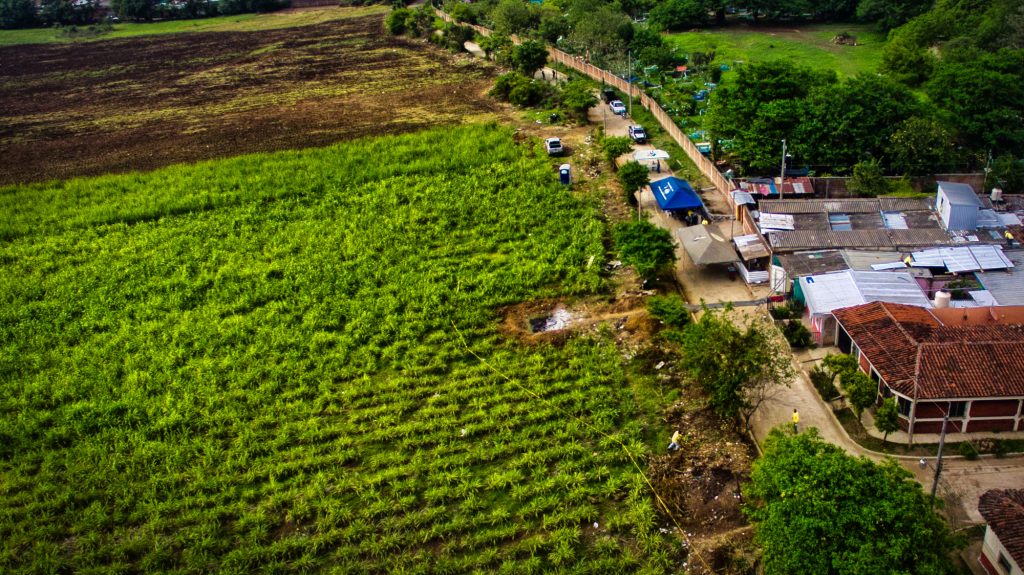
<point>741,197</point>
<point>783,222</point>
<point>895,220</point>
<point>827,292</point>
<point>988,219</point>
<point>650,155</point>
<point>963,258</point>
<point>1009,220</point>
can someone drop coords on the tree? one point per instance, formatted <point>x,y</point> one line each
<point>887,418</point>
<point>679,14</point>
<point>511,17</point>
<point>818,510</point>
<point>598,33</point>
<point>868,179</point>
<point>839,364</point>
<point>738,368</point>
<point>498,46</point>
<point>645,246</point>
<point>529,57</point>
<point>889,14</point>
<point>861,390</point>
<point>577,97</point>
<point>133,9</point>
<point>17,14</point>
<point>633,176</point>
<point>395,22</point>
<point>1007,173</point>
<point>921,146</point>
<point>615,146</point>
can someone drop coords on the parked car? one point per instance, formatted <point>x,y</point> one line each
<point>637,134</point>
<point>553,146</point>
<point>608,95</point>
<point>618,107</point>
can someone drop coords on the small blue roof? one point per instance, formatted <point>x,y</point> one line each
<point>675,194</point>
<point>959,194</point>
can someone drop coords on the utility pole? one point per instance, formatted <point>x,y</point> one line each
<point>782,174</point>
<point>938,460</point>
<point>629,79</point>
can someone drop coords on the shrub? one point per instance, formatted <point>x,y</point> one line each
<point>781,312</point>
<point>633,176</point>
<point>615,146</point>
<point>822,381</point>
<point>968,451</point>
<point>518,89</point>
<point>670,309</point>
<point>797,334</point>
<point>396,21</point>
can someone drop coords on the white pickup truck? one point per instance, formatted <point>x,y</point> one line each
<point>553,146</point>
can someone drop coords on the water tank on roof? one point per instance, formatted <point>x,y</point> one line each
<point>997,195</point>
<point>942,299</point>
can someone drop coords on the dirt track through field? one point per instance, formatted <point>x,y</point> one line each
<point>142,103</point>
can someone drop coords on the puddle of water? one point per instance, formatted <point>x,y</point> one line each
<point>559,319</point>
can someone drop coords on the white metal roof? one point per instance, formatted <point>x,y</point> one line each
<point>964,258</point>
<point>1007,288</point>
<point>959,194</point>
<point>827,292</point>
<point>776,222</point>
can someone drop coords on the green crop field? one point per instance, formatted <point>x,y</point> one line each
<point>234,23</point>
<point>809,45</point>
<point>289,362</point>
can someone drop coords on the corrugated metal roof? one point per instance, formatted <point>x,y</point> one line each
<point>988,219</point>
<point>919,237</point>
<point>959,194</point>
<point>905,204</point>
<point>825,239</point>
<point>1007,287</point>
<point>863,260</point>
<point>768,221</point>
<point>963,258</point>
<point>810,263</point>
<point>828,292</point>
<point>851,206</point>
<point>751,247</point>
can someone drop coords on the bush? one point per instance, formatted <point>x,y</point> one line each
<point>396,21</point>
<point>615,146</point>
<point>797,334</point>
<point>967,450</point>
<point>822,381</point>
<point>645,246</point>
<point>518,89</point>
<point>633,176</point>
<point>781,312</point>
<point>670,309</point>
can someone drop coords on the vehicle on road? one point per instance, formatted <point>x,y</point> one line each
<point>553,146</point>
<point>618,107</point>
<point>637,134</point>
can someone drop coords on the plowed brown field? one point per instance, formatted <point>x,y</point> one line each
<point>137,104</point>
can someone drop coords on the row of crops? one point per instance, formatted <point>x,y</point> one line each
<point>288,362</point>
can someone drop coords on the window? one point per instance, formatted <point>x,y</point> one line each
<point>903,404</point>
<point>1004,563</point>
<point>855,350</point>
<point>957,408</point>
<point>839,222</point>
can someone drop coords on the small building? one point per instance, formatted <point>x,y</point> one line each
<point>964,362</point>
<point>706,245</point>
<point>958,206</point>
<point>823,294</point>
<point>1002,552</point>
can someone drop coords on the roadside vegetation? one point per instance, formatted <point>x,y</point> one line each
<point>291,362</point>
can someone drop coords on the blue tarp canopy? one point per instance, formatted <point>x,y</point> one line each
<point>675,194</point>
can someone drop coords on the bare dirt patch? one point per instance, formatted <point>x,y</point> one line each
<point>142,103</point>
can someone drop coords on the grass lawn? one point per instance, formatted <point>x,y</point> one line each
<point>234,23</point>
<point>805,45</point>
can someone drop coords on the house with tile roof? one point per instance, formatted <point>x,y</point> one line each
<point>1002,552</point>
<point>968,363</point>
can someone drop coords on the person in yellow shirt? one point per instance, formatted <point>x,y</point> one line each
<point>674,442</point>
<point>796,419</point>
<point>1009,238</point>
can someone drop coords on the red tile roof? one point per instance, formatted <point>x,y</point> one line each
<point>1003,510</point>
<point>910,347</point>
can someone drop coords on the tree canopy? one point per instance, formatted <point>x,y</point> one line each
<point>819,511</point>
<point>645,246</point>
<point>737,367</point>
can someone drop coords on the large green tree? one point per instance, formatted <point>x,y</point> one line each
<point>889,14</point>
<point>921,146</point>
<point>645,246</point>
<point>737,366</point>
<point>679,14</point>
<point>513,17</point>
<point>17,13</point>
<point>529,57</point>
<point>819,511</point>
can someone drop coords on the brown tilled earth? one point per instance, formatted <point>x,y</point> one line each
<point>141,103</point>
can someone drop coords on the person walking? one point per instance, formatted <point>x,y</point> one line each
<point>796,420</point>
<point>674,442</point>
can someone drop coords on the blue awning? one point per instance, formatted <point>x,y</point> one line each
<point>675,194</point>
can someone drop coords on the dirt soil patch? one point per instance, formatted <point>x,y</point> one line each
<point>142,103</point>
